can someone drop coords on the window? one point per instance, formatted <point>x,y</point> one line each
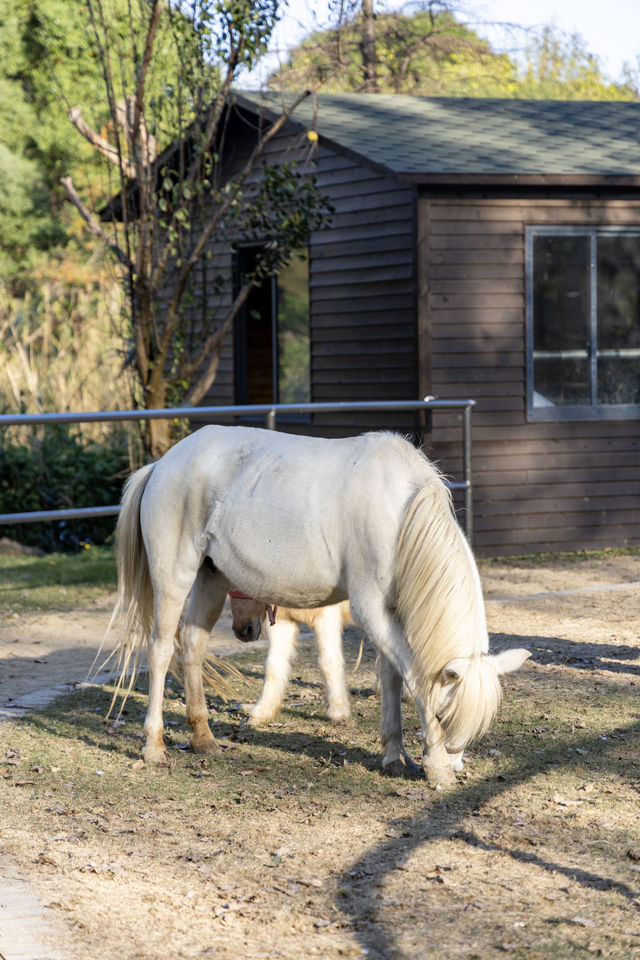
<point>583,323</point>
<point>272,344</point>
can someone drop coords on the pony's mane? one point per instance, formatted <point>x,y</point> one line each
<point>439,601</point>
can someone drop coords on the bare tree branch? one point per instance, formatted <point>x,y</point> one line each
<point>94,225</point>
<point>207,232</point>
<point>210,350</point>
<point>152,30</point>
<point>101,145</point>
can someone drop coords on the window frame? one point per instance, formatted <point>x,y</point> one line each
<point>594,410</point>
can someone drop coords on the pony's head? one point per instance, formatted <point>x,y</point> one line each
<point>466,694</point>
<point>247,616</point>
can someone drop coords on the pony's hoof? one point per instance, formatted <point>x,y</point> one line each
<point>256,719</point>
<point>156,756</point>
<point>402,768</point>
<point>439,776</point>
<point>395,768</point>
<point>338,716</point>
<point>204,745</point>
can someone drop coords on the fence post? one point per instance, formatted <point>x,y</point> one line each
<point>270,419</point>
<point>467,472</point>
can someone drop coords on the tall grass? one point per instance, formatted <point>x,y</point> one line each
<point>63,347</point>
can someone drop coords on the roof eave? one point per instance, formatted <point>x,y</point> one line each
<point>520,179</point>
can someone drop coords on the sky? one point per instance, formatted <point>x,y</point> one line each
<point>611,30</point>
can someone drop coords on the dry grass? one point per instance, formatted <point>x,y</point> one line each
<point>291,843</point>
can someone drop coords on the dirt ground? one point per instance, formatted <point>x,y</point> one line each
<point>57,650</point>
<point>410,881</point>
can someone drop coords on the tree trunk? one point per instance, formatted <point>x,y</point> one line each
<point>158,432</point>
<point>368,47</point>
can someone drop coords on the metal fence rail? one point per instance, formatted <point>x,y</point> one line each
<point>270,412</point>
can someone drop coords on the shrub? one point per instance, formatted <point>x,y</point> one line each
<point>60,470</point>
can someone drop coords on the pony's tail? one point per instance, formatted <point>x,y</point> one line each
<point>132,616</point>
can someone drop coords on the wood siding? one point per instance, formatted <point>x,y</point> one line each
<point>363,301</point>
<point>362,295</point>
<point>538,486</point>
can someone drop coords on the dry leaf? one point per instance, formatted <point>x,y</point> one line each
<point>563,802</point>
<point>45,857</point>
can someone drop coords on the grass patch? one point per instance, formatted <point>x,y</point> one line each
<point>57,581</point>
<point>290,840</point>
<point>572,556</point>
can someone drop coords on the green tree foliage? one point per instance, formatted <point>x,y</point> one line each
<point>428,54</point>
<point>432,53</point>
<point>168,70</point>
<point>48,64</point>
<point>559,67</point>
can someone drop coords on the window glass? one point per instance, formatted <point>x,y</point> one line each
<point>618,292</point>
<point>583,322</point>
<point>561,322</point>
<point>294,381</point>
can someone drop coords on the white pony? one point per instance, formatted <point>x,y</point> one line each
<point>307,522</point>
<point>281,628</point>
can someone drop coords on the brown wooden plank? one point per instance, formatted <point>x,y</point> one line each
<point>511,358</point>
<point>487,316</point>
<point>338,266</point>
<point>375,390</point>
<point>383,222</point>
<point>503,229</point>
<point>344,282</point>
<point>491,301</point>
<point>452,382</point>
<point>600,527</point>
<point>584,434</point>
<point>329,246</point>
<point>324,367</point>
<point>327,329</point>
<point>475,345</point>
<point>369,374</point>
<point>488,271</point>
<point>473,241</point>
<point>455,255</point>
<point>472,287</point>
<point>487,479</point>
<point>330,350</point>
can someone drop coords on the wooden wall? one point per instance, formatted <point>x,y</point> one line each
<point>362,295</point>
<point>538,486</point>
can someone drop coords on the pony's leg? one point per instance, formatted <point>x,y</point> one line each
<point>396,760</point>
<point>391,716</point>
<point>438,764</point>
<point>328,631</point>
<point>371,613</point>
<point>207,600</point>
<point>168,607</point>
<point>282,642</point>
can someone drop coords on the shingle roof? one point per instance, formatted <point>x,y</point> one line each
<point>434,139</point>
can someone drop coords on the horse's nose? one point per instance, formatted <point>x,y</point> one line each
<point>248,632</point>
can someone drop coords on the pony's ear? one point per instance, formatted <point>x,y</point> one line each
<point>455,670</point>
<point>509,660</point>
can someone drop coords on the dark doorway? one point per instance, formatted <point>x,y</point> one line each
<point>272,343</point>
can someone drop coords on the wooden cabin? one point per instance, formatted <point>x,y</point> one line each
<point>485,249</point>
